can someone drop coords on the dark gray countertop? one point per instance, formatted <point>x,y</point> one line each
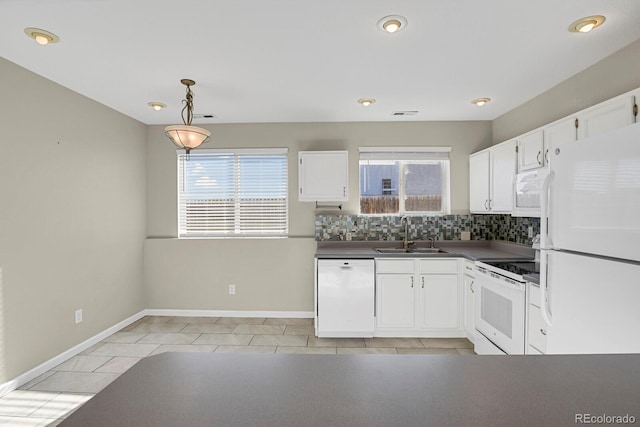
<point>210,389</point>
<point>533,278</point>
<point>469,249</point>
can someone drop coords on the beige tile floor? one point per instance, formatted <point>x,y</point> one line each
<point>48,399</point>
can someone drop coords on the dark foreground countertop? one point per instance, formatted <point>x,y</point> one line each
<point>210,389</point>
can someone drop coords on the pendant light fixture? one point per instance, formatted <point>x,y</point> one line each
<point>186,136</point>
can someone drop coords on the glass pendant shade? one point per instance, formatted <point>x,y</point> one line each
<point>187,137</point>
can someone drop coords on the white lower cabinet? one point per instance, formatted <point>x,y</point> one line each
<point>419,297</point>
<point>469,279</point>
<point>536,327</point>
<point>438,301</point>
<point>395,301</point>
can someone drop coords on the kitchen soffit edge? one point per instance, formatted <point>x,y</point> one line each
<point>304,61</point>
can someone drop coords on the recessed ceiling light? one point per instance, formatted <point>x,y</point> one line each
<point>392,23</point>
<point>365,102</point>
<point>41,36</point>
<point>480,101</point>
<point>586,24</point>
<point>156,105</point>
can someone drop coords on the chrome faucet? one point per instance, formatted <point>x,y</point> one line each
<point>406,242</point>
<point>431,242</point>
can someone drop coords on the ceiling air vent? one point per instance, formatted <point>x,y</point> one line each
<point>404,113</point>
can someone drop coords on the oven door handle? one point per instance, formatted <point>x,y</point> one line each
<point>504,282</point>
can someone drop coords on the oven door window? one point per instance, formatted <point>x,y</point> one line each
<point>497,311</point>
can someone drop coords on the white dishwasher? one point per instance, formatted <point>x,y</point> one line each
<point>346,301</point>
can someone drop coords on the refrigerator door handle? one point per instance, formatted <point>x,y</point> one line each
<point>545,239</point>
<point>544,287</point>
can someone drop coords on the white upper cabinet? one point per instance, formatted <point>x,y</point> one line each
<point>503,168</point>
<point>613,114</point>
<point>323,176</point>
<point>479,177</point>
<point>491,174</point>
<point>531,150</point>
<point>560,131</point>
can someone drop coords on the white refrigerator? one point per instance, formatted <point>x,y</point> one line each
<point>590,245</point>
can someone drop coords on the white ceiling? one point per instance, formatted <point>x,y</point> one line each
<point>309,61</point>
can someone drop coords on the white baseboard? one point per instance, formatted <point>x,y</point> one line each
<point>229,313</point>
<point>13,384</point>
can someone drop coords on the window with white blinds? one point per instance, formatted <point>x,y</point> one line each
<point>233,193</point>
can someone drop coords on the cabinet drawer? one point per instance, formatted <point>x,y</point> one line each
<point>534,295</point>
<point>394,266</point>
<point>469,269</point>
<point>438,266</point>
<point>537,329</point>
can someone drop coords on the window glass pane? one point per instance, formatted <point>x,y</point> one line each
<point>423,187</point>
<point>232,194</point>
<point>398,181</point>
<point>379,186</point>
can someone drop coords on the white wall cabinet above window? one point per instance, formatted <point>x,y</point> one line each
<point>491,173</point>
<point>323,176</point>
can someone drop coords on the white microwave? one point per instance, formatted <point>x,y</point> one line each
<point>527,191</point>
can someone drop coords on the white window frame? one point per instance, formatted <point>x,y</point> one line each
<point>183,233</point>
<point>414,155</point>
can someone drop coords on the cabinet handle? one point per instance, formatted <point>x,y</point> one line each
<point>543,332</point>
<point>422,282</point>
<point>538,158</point>
<point>412,281</point>
<point>344,191</point>
<point>546,156</point>
<point>486,203</point>
<point>468,268</point>
<point>490,204</point>
<point>471,287</point>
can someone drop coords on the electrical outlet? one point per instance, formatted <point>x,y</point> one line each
<point>232,289</point>
<point>78,316</point>
<point>530,232</point>
<point>348,236</point>
<point>465,235</point>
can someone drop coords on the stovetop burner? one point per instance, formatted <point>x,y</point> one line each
<point>512,269</point>
<point>519,268</point>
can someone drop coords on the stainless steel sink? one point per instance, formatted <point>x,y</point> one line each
<point>409,251</point>
<point>427,250</point>
<point>393,250</point>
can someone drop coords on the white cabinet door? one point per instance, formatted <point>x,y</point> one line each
<point>469,305</point>
<point>606,116</point>
<point>536,330</point>
<point>479,176</point>
<point>395,301</point>
<point>564,130</point>
<point>438,301</point>
<point>503,169</point>
<point>323,176</point>
<point>531,150</point>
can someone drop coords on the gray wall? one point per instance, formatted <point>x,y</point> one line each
<point>273,274</point>
<point>614,75</point>
<point>72,218</point>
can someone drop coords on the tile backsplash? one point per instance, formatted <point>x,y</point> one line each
<point>448,227</point>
